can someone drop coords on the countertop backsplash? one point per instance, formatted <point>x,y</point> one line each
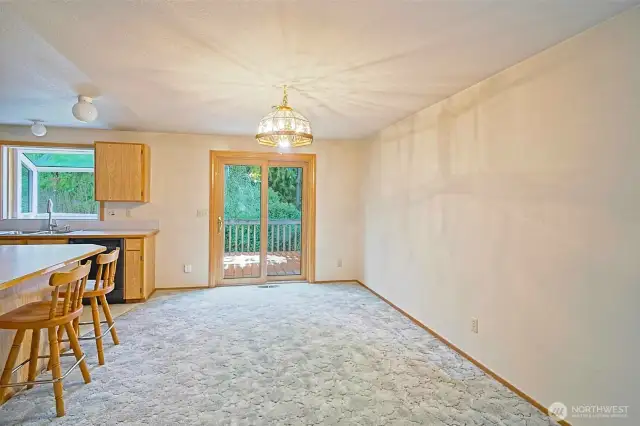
<point>77,225</point>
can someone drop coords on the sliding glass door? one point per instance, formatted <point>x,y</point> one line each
<point>284,222</point>
<point>260,215</point>
<point>240,224</point>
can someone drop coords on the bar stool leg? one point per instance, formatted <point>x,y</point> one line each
<point>50,362</point>
<point>75,345</point>
<point>54,349</point>
<point>60,334</point>
<point>33,357</point>
<point>107,314</point>
<point>11,360</point>
<point>96,329</point>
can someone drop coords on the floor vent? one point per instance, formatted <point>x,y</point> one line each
<point>268,286</point>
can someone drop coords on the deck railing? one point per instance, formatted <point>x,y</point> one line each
<point>243,236</point>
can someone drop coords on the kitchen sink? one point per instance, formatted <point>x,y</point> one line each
<point>20,232</point>
<point>58,232</point>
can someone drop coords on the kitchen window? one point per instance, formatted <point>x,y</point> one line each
<point>36,174</point>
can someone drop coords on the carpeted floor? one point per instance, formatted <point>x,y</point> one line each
<point>296,354</point>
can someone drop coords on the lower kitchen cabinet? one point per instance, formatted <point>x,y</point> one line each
<point>139,262</point>
<point>32,241</point>
<point>47,241</point>
<point>9,242</point>
<point>133,275</point>
<point>139,268</point>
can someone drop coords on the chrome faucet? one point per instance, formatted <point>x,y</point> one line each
<point>52,222</point>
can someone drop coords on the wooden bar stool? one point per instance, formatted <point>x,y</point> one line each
<point>56,314</point>
<point>97,290</point>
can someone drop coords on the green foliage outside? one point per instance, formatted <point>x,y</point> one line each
<point>25,206</point>
<point>242,202</point>
<point>71,192</point>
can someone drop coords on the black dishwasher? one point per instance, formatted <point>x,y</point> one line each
<point>117,295</point>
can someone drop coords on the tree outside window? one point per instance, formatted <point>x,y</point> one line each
<point>66,176</point>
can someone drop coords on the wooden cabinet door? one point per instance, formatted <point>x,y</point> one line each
<point>47,241</point>
<point>149,266</point>
<point>133,275</point>
<point>4,242</point>
<point>120,172</point>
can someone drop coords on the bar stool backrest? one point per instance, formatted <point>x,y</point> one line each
<point>106,275</point>
<point>75,281</point>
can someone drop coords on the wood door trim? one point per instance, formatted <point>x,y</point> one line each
<point>311,218</point>
<point>309,193</point>
<point>213,213</point>
<point>268,156</point>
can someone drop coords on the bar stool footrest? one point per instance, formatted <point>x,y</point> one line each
<point>43,382</point>
<point>26,361</point>
<point>104,333</point>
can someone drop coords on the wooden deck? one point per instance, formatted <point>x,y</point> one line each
<point>247,265</point>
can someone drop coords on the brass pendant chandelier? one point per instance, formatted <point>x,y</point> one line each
<point>284,127</point>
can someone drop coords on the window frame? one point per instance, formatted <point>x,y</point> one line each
<point>13,158</point>
<point>20,160</point>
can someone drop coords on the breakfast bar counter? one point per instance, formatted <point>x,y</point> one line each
<point>136,270</point>
<point>21,263</point>
<point>24,278</point>
<point>105,233</point>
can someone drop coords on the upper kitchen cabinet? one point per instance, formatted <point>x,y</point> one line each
<point>122,172</point>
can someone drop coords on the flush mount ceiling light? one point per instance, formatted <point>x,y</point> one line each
<point>85,110</point>
<point>284,127</point>
<point>38,129</point>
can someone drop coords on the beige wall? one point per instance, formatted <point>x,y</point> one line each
<point>180,187</point>
<point>517,201</point>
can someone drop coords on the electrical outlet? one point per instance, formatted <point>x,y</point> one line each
<point>474,325</point>
<point>111,212</point>
<point>128,212</point>
<point>339,263</point>
<point>202,213</point>
<point>187,269</point>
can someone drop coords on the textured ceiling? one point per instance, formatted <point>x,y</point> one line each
<point>213,66</point>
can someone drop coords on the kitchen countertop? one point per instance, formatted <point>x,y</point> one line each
<point>20,263</point>
<point>130,233</point>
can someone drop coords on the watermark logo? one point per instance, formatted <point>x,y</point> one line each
<point>559,411</point>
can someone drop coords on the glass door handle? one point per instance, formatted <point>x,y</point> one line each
<point>219,224</point>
